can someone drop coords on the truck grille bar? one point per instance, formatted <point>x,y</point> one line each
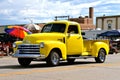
<point>29,49</point>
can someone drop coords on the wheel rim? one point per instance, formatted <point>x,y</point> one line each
<point>55,58</point>
<point>102,55</point>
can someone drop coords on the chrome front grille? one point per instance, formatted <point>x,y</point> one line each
<point>29,49</point>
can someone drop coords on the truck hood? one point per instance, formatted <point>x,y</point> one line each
<point>34,38</point>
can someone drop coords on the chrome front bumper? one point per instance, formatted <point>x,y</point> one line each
<point>35,56</point>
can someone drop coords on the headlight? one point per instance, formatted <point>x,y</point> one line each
<point>42,45</point>
<point>14,45</point>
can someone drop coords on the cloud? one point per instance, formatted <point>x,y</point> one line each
<point>112,1</point>
<point>46,10</point>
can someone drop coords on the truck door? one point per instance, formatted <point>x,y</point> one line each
<point>74,40</point>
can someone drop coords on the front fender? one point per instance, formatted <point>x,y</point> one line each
<point>49,45</point>
<point>17,43</point>
<point>97,46</point>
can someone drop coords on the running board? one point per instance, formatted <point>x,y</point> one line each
<point>81,57</point>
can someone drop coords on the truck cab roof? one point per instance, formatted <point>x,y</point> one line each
<point>64,21</point>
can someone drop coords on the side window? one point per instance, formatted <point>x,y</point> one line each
<point>73,29</point>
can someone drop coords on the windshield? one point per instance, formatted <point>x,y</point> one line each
<point>54,28</point>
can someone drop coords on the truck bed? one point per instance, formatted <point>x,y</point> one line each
<point>88,43</point>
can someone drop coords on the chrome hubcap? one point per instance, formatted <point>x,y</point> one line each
<point>55,58</point>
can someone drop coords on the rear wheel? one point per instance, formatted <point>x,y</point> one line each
<point>101,56</point>
<point>24,61</point>
<point>53,59</point>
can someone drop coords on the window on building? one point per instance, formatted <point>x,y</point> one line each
<point>109,26</point>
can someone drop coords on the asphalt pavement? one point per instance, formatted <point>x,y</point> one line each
<point>82,69</point>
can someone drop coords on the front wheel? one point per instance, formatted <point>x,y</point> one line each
<point>24,61</point>
<point>53,59</point>
<point>101,56</point>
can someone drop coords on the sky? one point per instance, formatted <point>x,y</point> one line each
<point>42,11</point>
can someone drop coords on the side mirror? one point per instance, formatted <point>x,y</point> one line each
<point>83,33</point>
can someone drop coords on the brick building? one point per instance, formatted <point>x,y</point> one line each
<point>86,22</point>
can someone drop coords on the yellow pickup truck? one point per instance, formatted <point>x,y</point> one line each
<point>59,40</point>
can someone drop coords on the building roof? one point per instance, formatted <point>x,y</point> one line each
<point>108,16</point>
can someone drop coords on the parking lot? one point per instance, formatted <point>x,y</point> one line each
<point>82,69</point>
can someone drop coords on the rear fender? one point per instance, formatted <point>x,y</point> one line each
<point>97,46</point>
